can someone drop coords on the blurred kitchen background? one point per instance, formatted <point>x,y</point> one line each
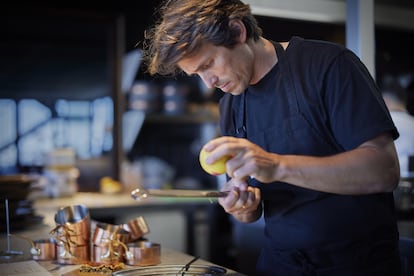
<point>77,108</point>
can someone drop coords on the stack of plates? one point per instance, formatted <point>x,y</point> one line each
<point>16,188</point>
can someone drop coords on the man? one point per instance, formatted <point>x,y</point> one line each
<point>309,135</point>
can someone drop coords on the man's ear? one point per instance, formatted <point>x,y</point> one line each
<point>238,27</point>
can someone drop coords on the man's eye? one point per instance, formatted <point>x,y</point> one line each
<point>207,65</point>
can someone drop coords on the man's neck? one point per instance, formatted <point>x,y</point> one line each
<point>265,58</point>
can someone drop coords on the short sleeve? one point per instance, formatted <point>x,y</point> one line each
<point>356,109</point>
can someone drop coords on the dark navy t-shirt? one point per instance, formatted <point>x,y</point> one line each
<point>318,100</point>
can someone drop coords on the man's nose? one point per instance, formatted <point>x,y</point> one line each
<point>209,80</point>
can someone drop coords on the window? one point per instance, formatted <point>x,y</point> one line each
<point>31,129</point>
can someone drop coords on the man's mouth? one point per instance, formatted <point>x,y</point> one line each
<point>224,86</point>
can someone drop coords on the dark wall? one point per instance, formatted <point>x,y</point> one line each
<point>49,48</point>
<point>52,51</point>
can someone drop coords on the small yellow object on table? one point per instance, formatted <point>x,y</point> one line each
<point>107,185</point>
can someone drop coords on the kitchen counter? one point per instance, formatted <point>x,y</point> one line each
<point>117,205</point>
<point>168,257</point>
<point>112,204</point>
<point>99,205</point>
<point>188,219</point>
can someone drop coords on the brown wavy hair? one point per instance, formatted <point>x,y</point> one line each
<point>185,25</point>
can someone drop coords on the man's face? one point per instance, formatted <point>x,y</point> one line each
<point>230,70</point>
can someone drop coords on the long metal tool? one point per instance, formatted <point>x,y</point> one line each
<point>9,253</point>
<point>140,194</point>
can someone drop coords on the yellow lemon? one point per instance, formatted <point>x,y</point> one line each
<point>107,185</point>
<point>216,168</point>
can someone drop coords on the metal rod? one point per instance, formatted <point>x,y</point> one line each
<point>139,194</point>
<point>9,253</point>
<point>187,266</point>
<point>6,204</point>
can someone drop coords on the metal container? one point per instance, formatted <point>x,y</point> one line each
<point>144,253</point>
<point>137,228</point>
<point>42,249</point>
<point>104,232</point>
<point>71,214</point>
<point>72,254</point>
<point>108,254</point>
<point>45,250</point>
<point>109,243</point>
<point>73,224</point>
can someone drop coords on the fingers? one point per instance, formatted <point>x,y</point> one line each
<point>236,185</point>
<point>244,155</point>
<point>212,144</point>
<point>252,200</point>
<point>220,147</point>
<point>241,184</point>
<point>238,200</point>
